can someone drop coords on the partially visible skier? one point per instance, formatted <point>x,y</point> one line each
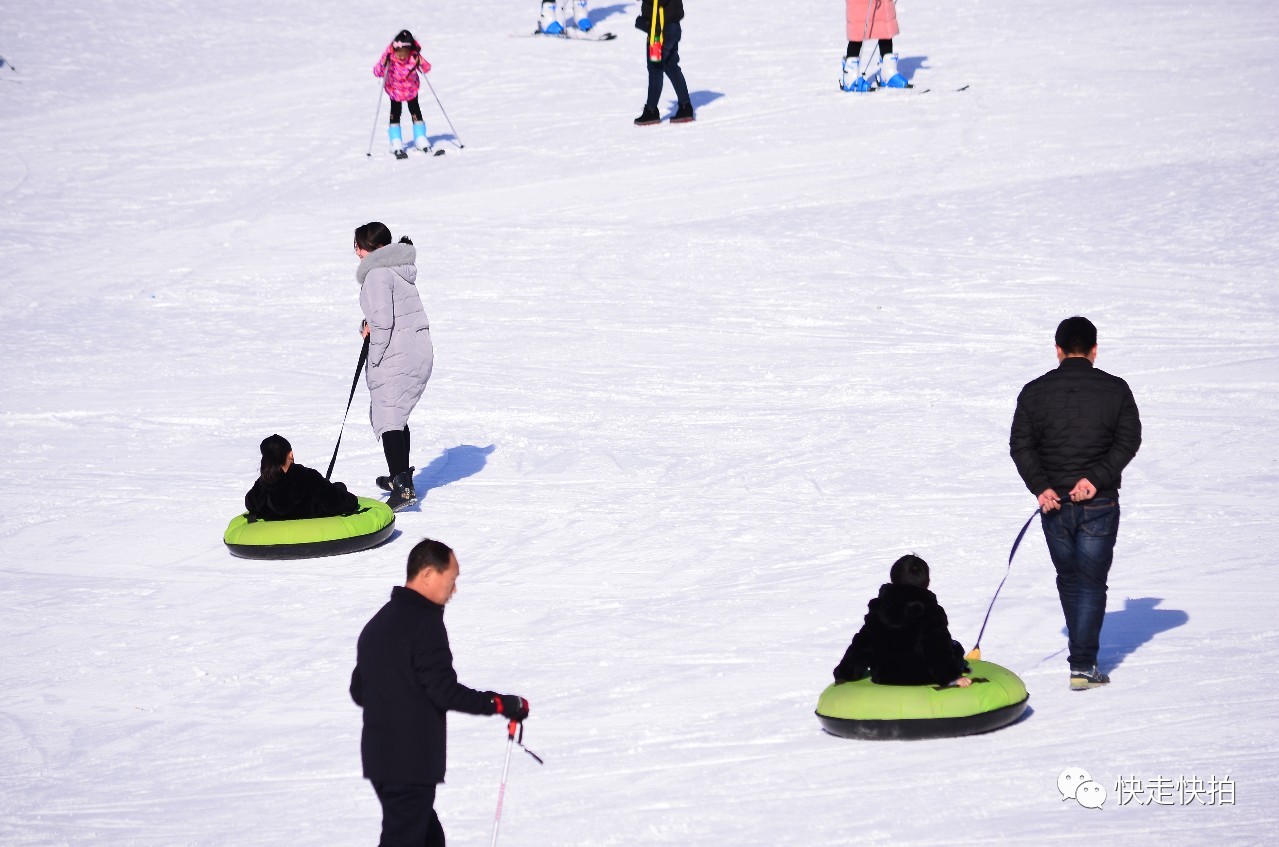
<point>399,66</point>
<point>866,20</point>
<point>556,12</point>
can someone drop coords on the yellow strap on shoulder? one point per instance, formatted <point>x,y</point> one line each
<point>653,28</point>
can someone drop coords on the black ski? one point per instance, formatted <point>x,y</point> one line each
<point>430,151</point>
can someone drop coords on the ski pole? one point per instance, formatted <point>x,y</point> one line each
<point>460,145</point>
<point>501,792</point>
<point>870,13</point>
<point>3,62</point>
<point>376,114</point>
<point>975,653</point>
<point>359,366</point>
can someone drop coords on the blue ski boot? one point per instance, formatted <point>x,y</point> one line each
<point>852,79</point>
<point>889,76</point>
<point>549,21</point>
<point>581,16</point>
<point>397,142</point>
<point>419,136</point>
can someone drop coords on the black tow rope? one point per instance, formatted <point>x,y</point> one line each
<point>975,653</point>
<point>359,366</point>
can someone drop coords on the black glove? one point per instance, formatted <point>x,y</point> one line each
<point>511,707</point>
<point>643,24</point>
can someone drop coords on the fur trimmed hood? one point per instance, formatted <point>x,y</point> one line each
<point>400,258</point>
<point>898,606</point>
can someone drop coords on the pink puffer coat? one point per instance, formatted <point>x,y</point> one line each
<point>401,77</point>
<point>883,24</point>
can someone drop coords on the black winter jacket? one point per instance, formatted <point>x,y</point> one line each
<point>405,682</point>
<point>1074,422</point>
<point>905,640</point>
<point>674,12</point>
<point>300,492</point>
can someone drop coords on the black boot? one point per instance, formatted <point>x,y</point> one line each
<point>384,482</point>
<point>649,117</point>
<point>684,114</point>
<point>402,493</point>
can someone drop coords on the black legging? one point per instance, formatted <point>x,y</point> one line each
<point>395,444</point>
<point>855,48</point>
<point>414,109</point>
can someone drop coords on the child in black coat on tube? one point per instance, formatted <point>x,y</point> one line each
<point>906,637</point>
<point>289,491</point>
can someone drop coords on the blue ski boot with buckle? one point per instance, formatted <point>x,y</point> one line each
<point>889,76</point>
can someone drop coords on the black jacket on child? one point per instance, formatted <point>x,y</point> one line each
<point>405,682</point>
<point>300,492</point>
<point>904,641</point>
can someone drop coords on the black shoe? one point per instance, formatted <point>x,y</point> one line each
<point>684,114</point>
<point>384,482</point>
<point>1082,680</point>
<point>649,117</point>
<point>400,154</point>
<point>402,493</point>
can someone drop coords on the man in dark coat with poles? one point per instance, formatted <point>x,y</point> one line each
<point>1075,429</point>
<point>405,682</point>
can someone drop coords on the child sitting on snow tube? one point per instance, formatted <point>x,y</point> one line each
<point>289,491</point>
<point>905,639</point>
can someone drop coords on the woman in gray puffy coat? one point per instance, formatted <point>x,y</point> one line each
<point>400,352</point>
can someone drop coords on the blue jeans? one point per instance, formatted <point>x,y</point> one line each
<point>1081,542</point>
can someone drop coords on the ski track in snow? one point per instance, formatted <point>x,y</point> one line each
<point>696,387</point>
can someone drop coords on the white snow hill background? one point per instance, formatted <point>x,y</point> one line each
<point>696,388</point>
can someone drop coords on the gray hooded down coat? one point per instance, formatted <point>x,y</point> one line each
<point>400,352</point>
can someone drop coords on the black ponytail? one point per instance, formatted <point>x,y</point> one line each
<point>275,449</point>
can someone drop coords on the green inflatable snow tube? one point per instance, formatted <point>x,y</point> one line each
<point>863,709</point>
<point>251,538</point>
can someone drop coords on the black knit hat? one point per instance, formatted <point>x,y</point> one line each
<point>404,39</point>
<point>275,448</point>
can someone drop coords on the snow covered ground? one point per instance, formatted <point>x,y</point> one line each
<point>696,387</point>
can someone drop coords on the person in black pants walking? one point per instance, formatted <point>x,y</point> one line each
<point>660,21</point>
<point>405,683</point>
<point>1075,429</point>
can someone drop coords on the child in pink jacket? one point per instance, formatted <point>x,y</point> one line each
<point>866,20</point>
<point>399,66</point>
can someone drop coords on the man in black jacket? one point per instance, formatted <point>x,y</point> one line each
<point>405,682</point>
<point>1075,429</point>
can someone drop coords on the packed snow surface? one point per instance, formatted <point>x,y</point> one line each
<point>696,387</point>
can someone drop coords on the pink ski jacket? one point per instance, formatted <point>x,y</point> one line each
<point>401,77</point>
<point>883,23</point>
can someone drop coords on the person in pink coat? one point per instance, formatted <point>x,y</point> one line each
<point>399,66</point>
<point>867,20</point>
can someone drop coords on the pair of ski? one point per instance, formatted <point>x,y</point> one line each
<point>908,89</point>
<point>430,151</point>
<point>571,35</point>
